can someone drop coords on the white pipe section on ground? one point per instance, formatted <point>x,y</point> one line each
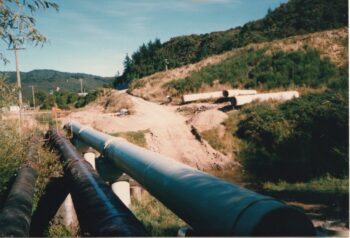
<point>236,92</point>
<point>90,157</point>
<point>122,190</point>
<point>201,96</point>
<point>279,96</point>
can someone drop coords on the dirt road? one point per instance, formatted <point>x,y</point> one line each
<point>168,132</point>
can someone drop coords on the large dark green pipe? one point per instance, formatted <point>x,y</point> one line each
<point>100,212</point>
<point>209,205</point>
<point>15,217</point>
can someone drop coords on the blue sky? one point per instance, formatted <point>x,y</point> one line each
<point>92,36</point>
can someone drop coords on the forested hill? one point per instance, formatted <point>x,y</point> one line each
<point>292,18</point>
<point>46,80</point>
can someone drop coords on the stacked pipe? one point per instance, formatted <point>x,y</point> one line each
<point>100,212</point>
<point>239,100</point>
<point>209,205</point>
<point>15,217</point>
<point>214,95</point>
<point>237,92</point>
<point>201,96</point>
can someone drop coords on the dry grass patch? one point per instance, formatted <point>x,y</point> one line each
<point>134,137</point>
<point>223,138</point>
<point>112,101</point>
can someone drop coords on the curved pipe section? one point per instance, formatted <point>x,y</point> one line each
<point>210,205</point>
<point>99,210</point>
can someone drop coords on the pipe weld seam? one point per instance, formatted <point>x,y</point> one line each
<point>70,163</point>
<point>246,208</point>
<point>107,144</point>
<point>81,129</point>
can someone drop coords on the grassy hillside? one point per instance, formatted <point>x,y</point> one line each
<point>293,18</point>
<point>284,62</point>
<point>259,70</point>
<point>47,80</point>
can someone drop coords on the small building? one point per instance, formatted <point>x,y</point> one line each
<point>82,94</point>
<point>14,108</point>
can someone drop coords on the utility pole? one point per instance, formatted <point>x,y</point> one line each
<point>18,75</point>
<point>33,94</point>
<point>81,85</point>
<point>166,64</point>
<point>19,85</point>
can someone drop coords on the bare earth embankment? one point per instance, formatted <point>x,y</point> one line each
<point>169,133</point>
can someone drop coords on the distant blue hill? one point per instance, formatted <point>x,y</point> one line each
<point>47,80</point>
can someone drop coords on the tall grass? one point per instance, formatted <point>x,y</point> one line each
<point>326,184</point>
<point>12,154</point>
<point>157,219</point>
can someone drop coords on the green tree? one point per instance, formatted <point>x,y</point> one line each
<point>40,97</point>
<point>17,22</point>
<point>7,93</point>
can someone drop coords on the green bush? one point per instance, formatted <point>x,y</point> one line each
<point>8,92</point>
<point>83,101</point>
<point>302,139</point>
<point>64,100</point>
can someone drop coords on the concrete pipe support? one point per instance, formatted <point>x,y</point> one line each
<point>209,205</point>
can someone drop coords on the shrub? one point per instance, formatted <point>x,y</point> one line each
<point>8,93</point>
<point>83,101</point>
<point>298,140</point>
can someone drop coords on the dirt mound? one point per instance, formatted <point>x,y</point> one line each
<point>207,120</point>
<point>113,101</point>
